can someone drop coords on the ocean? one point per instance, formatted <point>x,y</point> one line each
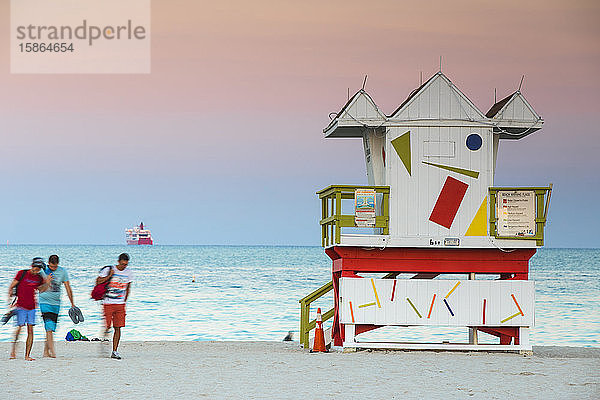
<point>250,293</point>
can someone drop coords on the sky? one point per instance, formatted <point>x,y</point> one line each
<point>222,142</point>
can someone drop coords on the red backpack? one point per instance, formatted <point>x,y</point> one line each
<point>99,291</point>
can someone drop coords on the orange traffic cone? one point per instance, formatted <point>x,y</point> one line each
<point>319,343</point>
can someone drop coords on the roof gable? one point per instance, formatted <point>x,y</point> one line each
<point>360,106</point>
<point>513,107</point>
<point>360,111</point>
<point>514,118</point>
<point>438,98</point>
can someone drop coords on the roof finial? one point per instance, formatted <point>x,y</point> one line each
<point>348,94</point>
<point>521,84</point>
<point>494,95</point>
<point>421,78</point>
<point>364,82</point>
<point>440,63</point>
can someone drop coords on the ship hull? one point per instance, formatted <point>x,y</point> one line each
<point>147,242</point>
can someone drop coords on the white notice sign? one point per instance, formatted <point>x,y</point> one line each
<point>516,213</point>
<point>364,207</point>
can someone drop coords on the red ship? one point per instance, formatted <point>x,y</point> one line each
<point>138,235</point>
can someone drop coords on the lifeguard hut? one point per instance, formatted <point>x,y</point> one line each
<point>431,209</point>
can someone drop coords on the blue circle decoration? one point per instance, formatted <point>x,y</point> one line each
<point>474,141</point>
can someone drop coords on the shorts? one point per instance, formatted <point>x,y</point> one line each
<point>25,316</point>
<point>50,316</point>
<point>114,314</point>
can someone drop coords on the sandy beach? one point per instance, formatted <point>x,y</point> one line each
<point>272,370</point>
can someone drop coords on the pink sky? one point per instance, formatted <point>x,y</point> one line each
<point>275,56</point>
<point>241,90</point>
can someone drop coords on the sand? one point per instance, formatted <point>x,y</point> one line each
<point>272,370</point>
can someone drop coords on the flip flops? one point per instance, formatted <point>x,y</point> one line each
<point>76,315</point>
<point>6,317</point>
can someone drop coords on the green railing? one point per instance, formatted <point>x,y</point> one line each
<point>542,203</point>
<point>305,324</point>
<point>332,219</point>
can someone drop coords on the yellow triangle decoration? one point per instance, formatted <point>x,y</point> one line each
<point>478,226</point>
<point>402,146</point>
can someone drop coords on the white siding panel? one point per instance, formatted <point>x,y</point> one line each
<point>446,149</point>
<point>449,109</point>
<point>434,102</point>
<point>517,109</point>
<point>413,293</point>
<point>506,304</point>
<point>494,308</point>
<point>509,110</point>
<point>358,108</point>
<point>439,311</point>
<point>466,302</point>
<point>463,298</point>
<point>362,108</point>
<point>422,104</point>
<point>413,196</point>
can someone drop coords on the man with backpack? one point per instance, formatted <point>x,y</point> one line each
<point>26,283</point>
<point>50,301</point>
<point>119,280</point>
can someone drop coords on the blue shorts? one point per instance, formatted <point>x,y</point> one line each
<point>25,316</point>
<point>50,316</point>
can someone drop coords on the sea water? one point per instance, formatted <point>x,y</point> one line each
<point>252,293</point>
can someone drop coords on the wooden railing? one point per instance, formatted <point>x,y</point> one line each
<point>332,219</point>
<point>305,324</point>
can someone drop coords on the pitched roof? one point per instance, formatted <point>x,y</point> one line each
<point>411,95</point>
<point>348,103</point>
<point>467,108</point>
<point>498,106</point>
<point>364,114</point>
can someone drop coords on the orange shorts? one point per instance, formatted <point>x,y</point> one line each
<point>114,314</point>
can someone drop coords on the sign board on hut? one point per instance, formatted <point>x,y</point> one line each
<point>364,207</point>
<point>516,213</point>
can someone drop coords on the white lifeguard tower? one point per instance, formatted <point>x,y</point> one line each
<point>431,208</point>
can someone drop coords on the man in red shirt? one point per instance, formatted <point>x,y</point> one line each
<point>27,282</point>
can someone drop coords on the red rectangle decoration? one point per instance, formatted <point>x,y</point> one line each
<point>448,201</point>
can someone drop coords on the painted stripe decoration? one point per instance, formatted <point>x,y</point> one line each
<point>511,317</point>
<point>484,301</point>
<point>413,307</point>
<point>375,291</point>
<point>449,309</point>
<point>452,290</point>
<point>431,306</point>
<point>367,305</point>
<point>464,303</point>
<point>448,202</point>
<point>462,171</point>
<point>518,306</point>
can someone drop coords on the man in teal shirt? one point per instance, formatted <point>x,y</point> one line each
<point>50,301</point>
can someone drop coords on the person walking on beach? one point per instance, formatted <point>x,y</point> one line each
<point>27,282</point>
<point>117,293</point>
<point>50,301</point>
